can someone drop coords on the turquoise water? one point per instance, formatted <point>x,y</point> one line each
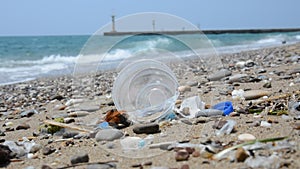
<point>29,57</point>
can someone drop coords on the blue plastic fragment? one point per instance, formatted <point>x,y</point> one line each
<point>170,116</point>
<point>226,107</point>
<point>103,125</point>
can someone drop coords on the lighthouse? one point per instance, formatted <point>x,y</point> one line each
<point>113,29</point>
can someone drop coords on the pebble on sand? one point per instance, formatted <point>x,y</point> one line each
<point>182,155</point>
<point>241,155</point>
<point>108,135</point>
<point>80,159</point>
<point>246,137</point>
<point>255,94</point>
<point>146,128</point>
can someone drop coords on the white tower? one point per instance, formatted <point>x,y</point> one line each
<point>113,29</point>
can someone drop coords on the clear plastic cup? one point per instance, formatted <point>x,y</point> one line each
<point>146,89</point>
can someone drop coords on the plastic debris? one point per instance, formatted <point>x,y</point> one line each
<point>22,148</point>
<point>227,128</point>
<point>103,125</point>
<point>145,100</point>
<point>190,106</point>
<point>238,94</point>
<point>265,124</point>
<point>226,107</point>
<point>134,143</point>
<point>271,162</point>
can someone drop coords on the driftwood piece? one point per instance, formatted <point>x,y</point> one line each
<point>70,126</point>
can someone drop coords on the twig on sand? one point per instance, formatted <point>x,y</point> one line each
<point>70,126</point>
<point>221,154</point>
<point>283,96</point>
<point>91,163</point>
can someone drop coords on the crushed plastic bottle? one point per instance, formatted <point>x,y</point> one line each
<point>146,89</point>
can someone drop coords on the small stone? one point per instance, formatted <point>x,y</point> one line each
<point>2,133</point>
<point>267,85</point>
<point>69,120</point>
<point>241,155</point>
<point>44,166</point>
<point>185,166</point>
<point>23,127</point>
<point>262,71</point>
<point>29,113</point>
<point>255,94</point>
<point>182,155</point>
<point>196,153</point>
<point>5,155</point>
<point>249,63</point>
<point>109,135</point>
<point>192,83</point>
<point>69,134</point>
<point>150,128</point>
<point>296,126</point>
<point>56,97</point>
<point>238,78</point>
<point>219,75</point>
<point>240,64</point>
<point>32,156</point>
<point>78,114</point>
<point>47,150</point>
<point>84,158</point>
<point>246,137</point>
<point>183,89</point>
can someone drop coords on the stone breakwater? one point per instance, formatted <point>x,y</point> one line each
<point>248,79</point>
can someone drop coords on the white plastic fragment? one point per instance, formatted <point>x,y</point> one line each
<point>238,94</point>
<point>265,124</point>
<point>193,104</point>
<point>271,162</point>
<point>227,128</point>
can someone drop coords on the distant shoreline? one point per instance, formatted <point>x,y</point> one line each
<point>204,31</point>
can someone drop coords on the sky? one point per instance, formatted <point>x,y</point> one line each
<point>76,17</point>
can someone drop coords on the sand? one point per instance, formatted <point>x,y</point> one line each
<point>280,65</point>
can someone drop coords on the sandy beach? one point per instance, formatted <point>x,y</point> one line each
<point>269,108</point>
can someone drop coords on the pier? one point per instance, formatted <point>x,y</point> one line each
<point>114,32</point>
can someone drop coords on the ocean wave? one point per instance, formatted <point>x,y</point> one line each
<point>46,59</point>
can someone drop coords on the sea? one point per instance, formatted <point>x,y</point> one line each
<point>24,58</point>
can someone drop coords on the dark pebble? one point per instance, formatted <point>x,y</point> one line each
<point>44,166</point>
<point>56,97</point>
<point>146,129</point>
<point>2,133</point>
<point>80,159</point>
<point>267,85</point>
<point>23,127</point>
<point>69,134</point>
<point>9,129</point>
<point>48,150</point>
<point>5,155</point>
